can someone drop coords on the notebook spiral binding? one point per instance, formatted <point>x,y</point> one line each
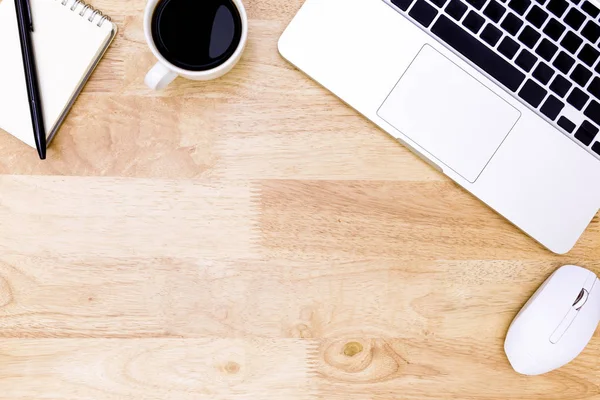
<point>93,13</point>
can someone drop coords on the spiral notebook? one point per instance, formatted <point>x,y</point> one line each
<point>69,38</point>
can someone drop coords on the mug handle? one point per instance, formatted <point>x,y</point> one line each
<point>159,77</point>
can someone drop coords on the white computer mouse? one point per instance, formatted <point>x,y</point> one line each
<point>556,323</point>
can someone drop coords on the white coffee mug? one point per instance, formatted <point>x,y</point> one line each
<point>164,72</point>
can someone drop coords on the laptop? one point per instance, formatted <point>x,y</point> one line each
<point>502,96</point>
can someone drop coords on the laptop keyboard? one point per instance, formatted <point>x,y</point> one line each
<point>546,52</point>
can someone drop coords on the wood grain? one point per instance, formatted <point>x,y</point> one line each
<point>254,238</point>
<point>156,369</point>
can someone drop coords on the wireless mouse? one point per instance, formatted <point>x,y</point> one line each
<point>556,323</point>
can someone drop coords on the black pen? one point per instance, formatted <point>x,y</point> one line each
<point>25,22</point>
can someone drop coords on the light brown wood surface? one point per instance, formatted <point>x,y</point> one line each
<point>254,238</point>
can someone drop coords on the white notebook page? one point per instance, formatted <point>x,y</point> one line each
<point>66,47</point>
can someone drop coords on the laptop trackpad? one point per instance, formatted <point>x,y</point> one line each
<point>449,113</point>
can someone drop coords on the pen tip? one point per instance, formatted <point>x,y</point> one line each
<point>42,154</point>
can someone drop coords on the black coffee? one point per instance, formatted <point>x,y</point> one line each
<point>196,35</point>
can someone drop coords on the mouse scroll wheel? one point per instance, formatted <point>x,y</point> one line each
<point>581,299</point>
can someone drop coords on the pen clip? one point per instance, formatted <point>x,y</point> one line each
<point>29,14</point>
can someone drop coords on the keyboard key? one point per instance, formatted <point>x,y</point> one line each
<point>557,7</point>
<point>529,37</point>
<point>593,111</point>
<point>597,69</point>
<point>537,16</point>
<point>402,4</point>
<point>491,35</point>
<point>588,55</point>
<point>571,42</point>
<point>563,62</point>
<point>552,107</point>
<point>478,4</point>
<point>560,85</point>
<point>423,13</point>
<point>508,47</point>
<point>494,11</point>
<point>473,22</point>
<point>439,3</point>
<point>577,99</point>
<point>546,49</point>
<point>456,9</point>
<point>586,133</point>
<point>596,147</point>
<point>512,24</point>
<point>485,58</point>
<point>575,18</point>
<point>566,124</point>
<point>591,9</point>
<point>542,2</point>
<point>594,88</point>
<point>581,75</point>
<point>519,6</point>
<point>532,93</point>
<point>526,60</point>
<point>576,2</point>
<point>543,73</point>
<point>554,29</point>
<point>591,31</point>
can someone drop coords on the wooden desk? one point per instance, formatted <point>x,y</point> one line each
<point>254,238</point>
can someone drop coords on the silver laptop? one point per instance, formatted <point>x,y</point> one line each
<point>502,96</point>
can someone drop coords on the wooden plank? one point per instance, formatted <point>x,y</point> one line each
<point>433,368</point>
<point>162,369</point>
<point>397,220</point>
<point>124,217</point>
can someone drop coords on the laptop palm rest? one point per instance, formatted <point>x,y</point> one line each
<point>449,113</point>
